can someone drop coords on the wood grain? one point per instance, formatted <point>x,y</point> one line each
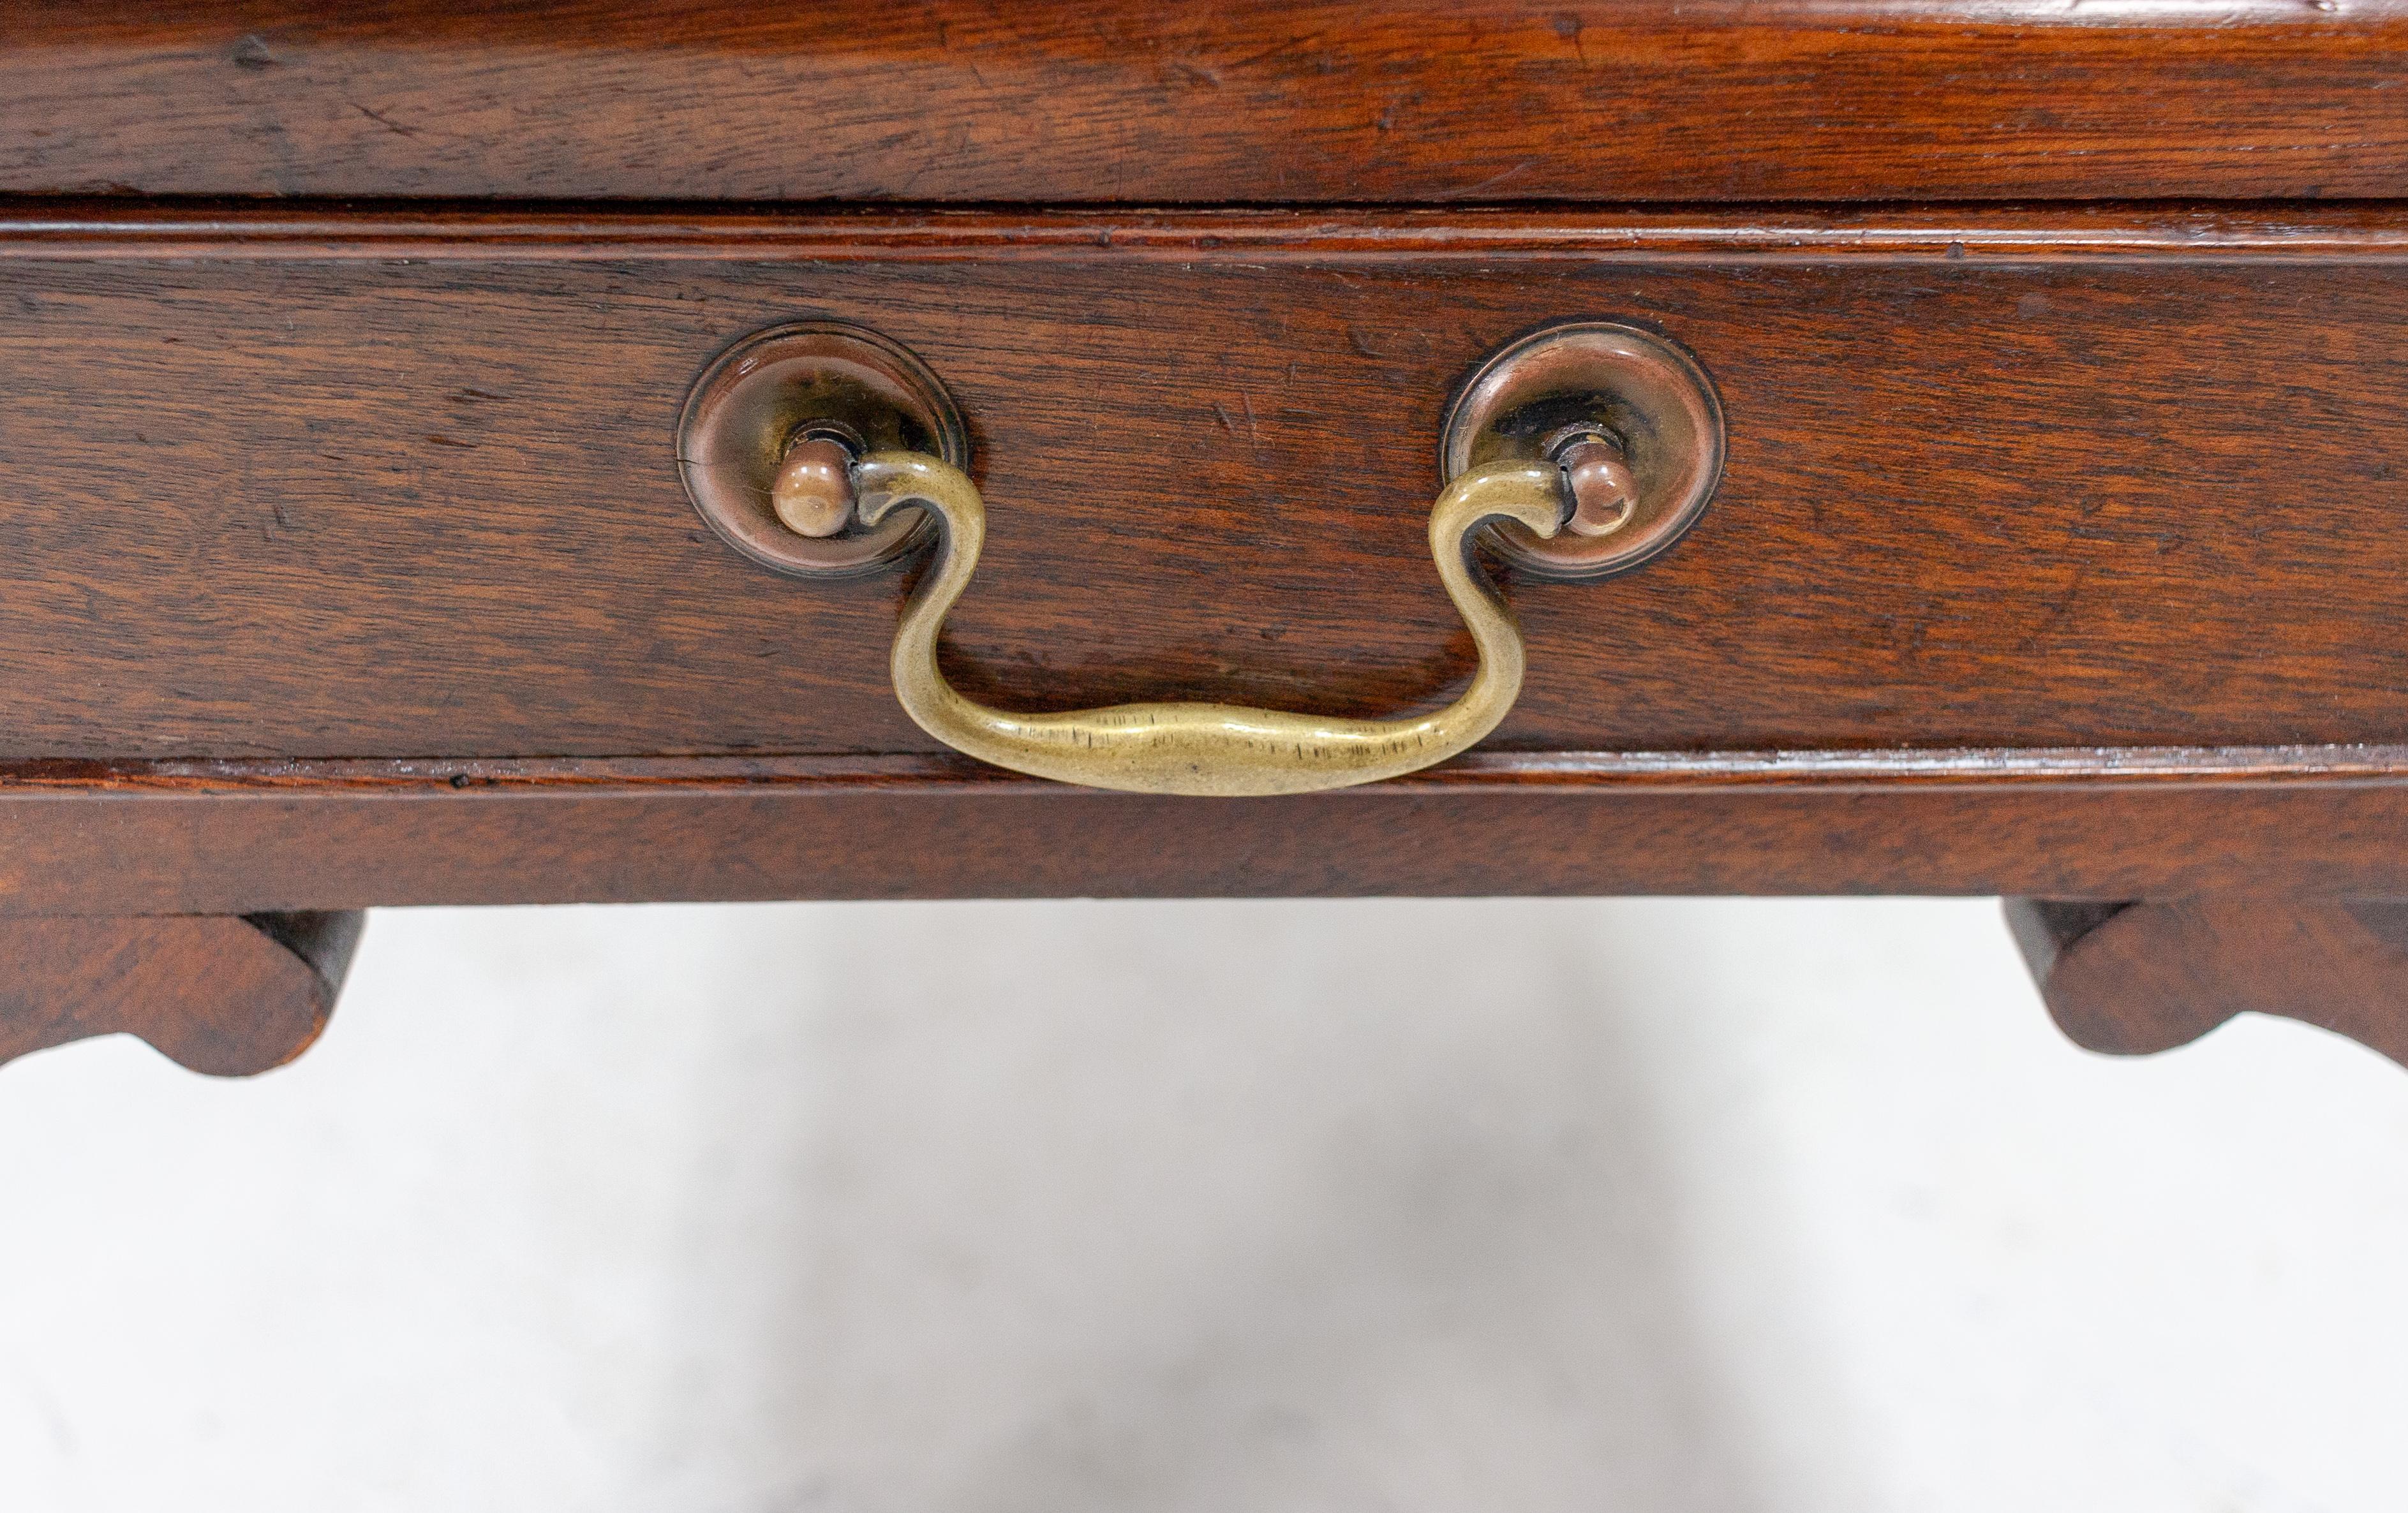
<point>2134,979</point>
<point>1582,772</point>
<point>333,504</point>
<point>1325,236</point>
<point>1246,100</point>
<point>344,844</point>
<point>228,996</point>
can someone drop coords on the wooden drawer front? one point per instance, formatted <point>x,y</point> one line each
<point>347,492</point>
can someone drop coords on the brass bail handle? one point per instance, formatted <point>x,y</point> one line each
<point>1217,750</point>
<point>1530,468</point>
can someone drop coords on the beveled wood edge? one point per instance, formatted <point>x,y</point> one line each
<point>251,851</point>
<point>1557,771</point>
<point>37,227</point>
<point>2348,18</point>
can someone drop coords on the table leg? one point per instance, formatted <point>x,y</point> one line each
<point>225,994</point>
<point>2134,977</point>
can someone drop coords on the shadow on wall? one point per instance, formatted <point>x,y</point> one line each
<point>1313,1209</point>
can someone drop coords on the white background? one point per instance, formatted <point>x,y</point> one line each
<point>1504,1206</point>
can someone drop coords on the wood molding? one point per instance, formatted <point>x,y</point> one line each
<point>1960,235</point>
<point>347,846</point>
<point>2085,767</point>
<point>2133,978</point>
<point>227,995</point>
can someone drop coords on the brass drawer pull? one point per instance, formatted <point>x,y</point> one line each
<point>1205,749</point>
<point>1551,446</point>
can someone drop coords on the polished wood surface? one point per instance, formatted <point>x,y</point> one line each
<point>88,228</point>
<point>2058,552</point>
<point>1249,101</point>
<point>229,996</point>
<point>330,503</point>
<point>2133,978</point>
<point>954,831</point>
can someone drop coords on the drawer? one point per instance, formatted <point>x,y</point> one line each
<point>360,487</point>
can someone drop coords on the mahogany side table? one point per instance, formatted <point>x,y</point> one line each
<point>483,452</point>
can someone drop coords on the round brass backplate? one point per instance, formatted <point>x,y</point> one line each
<point>757,395</point>
<point>1589,376</point>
